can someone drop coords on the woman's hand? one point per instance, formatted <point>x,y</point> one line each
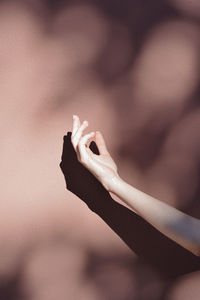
<point>101,166</point>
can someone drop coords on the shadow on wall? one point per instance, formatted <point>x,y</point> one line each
<point>137,58</point>
<point>149,244</point>
<point>12,288</point>
<point>166,258</point>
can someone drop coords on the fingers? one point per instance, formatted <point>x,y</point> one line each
<point>82,146</point>
<point>100,143</point>
<point>78,131</point>
<point>84,151</point>
<point>80,142</point>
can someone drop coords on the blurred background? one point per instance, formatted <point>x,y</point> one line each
<point>131,68</point>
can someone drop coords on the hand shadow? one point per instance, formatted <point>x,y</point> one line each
<point>148,243</point>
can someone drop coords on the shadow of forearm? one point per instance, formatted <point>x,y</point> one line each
<point>148,243</point>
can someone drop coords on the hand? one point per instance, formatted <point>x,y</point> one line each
<point>101,166</point>
<point>79,180</point>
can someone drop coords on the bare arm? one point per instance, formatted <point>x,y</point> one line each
<point>182,228</point>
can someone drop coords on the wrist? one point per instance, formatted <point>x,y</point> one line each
<point>114,184</point>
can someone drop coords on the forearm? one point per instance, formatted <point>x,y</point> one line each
<point>183,229</point>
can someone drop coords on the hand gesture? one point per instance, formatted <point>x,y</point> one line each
<point>101,166</point>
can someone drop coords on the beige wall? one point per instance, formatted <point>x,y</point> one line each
<point>135,78</point>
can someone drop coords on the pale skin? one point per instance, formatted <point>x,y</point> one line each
<point>176,225</point>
